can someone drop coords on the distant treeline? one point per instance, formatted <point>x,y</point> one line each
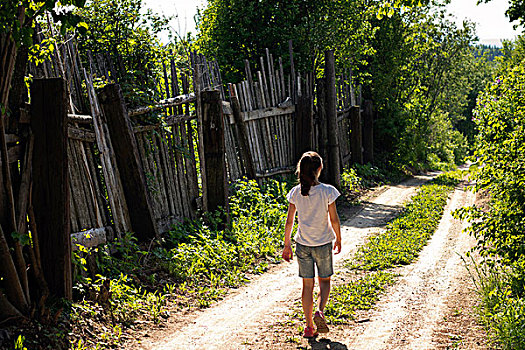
<point>490,52</point>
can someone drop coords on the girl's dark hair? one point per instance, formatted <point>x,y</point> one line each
<point>307,170</point>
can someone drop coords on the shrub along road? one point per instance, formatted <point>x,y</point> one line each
<point>257,315</point>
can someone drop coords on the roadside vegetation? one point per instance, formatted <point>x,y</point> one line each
<point>498,224</point>
<point>191,266</point>
<point>138,285</point>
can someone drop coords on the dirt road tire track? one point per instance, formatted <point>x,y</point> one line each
<point>408,316</point>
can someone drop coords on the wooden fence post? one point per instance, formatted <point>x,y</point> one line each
<point>128,162</point>
<point>50,196</point>
<point>212,151</point>
<point>356,142</point>
<point>368,132</point>
<point>322,128</point>
<point>246,154</point>
<point>334,163</point>
<point>304,125</point>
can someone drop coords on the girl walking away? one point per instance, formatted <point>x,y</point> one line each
<point>318,227</point>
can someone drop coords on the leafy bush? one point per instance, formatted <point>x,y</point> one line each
<point>207,257</point>
<point>500,228</point>
<point>350,181</point>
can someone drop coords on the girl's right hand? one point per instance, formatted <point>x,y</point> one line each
<point>287,253</point>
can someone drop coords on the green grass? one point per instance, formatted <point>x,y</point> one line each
<point>502,308</point>
<point>361,294</point>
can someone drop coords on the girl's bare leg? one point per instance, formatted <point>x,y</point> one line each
<point>308,300</point>
<point>324,287</point>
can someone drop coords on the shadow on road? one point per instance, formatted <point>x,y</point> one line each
<point>371,213</point>
<point>325,343</point>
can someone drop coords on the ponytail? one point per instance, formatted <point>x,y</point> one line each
<point>307,170</point>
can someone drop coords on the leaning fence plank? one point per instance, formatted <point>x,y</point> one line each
<point>170,145</point>
<point>269,83</point>
<point>160,176</point>
<point>119,209</point>
<point>191,167</point>
<point>184,175</point>
<point>134,183</point>
<point>88,217</point>
<point>90,186</point>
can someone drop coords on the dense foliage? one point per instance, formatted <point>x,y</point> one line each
<point>417,67</point>
<point>124,33</point>
<point>500,175</point>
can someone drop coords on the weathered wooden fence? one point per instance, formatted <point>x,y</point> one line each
<point>270,118</point>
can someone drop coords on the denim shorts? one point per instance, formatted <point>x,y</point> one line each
<point>320,256</point>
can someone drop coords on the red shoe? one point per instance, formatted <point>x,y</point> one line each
<point>320,322</point>
<point>310,332</point>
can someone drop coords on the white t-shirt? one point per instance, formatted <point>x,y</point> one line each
<point>312,213</point>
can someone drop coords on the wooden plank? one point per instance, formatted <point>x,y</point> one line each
<point>175,85</point>
<point>86,216</point>
<point>270,83</point>
<point>50,196</point>
<point>133,180</point>
<point>159,177</point>
<point>279,94</point>
<point>181,168</point>
<point>173,172</point>
<point>80,134</point>
<point>80,119</point>
<point>267,112</point>
<point>190,163</point>
<point>368,132</point>
<point>95,175</point>
<point>89,188</point>
<point>244,142</point>
<point>276,171</point>
<point>281,72</point>
<point>292,88</point>
<point>211,131</point>
<point>334,162</point>
<point>177,119</point>
<point>148,166</point>
<point>264,98</point>
<point>240,94</point>
<point>168,172</point>
<point>145,128</point>
<point>356,136</point>
<point>169,102</point>
<point>304,125</point>
<point>76,214</point>
<point>249,78</point>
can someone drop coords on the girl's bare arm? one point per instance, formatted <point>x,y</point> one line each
<point>336,225</point>
<point>287,251</point>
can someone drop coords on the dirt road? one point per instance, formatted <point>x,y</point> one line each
<point>252,316</point>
